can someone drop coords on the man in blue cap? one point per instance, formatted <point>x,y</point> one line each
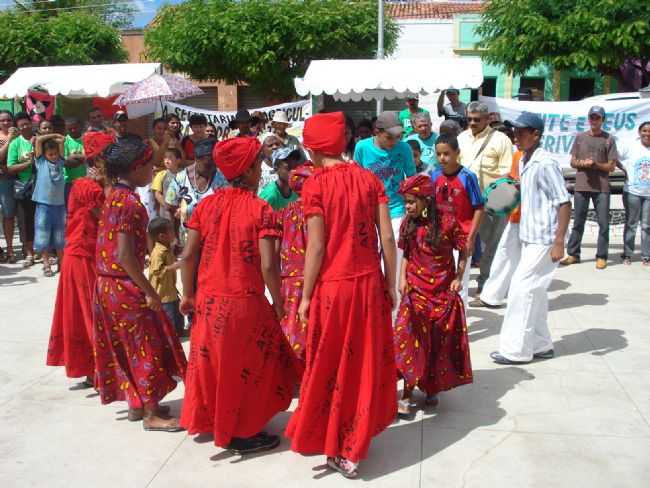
<point>594,157</point>
<point>545,214</point>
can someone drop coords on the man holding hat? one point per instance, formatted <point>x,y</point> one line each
<point>594,157</point>
<point>279,125</point>
<point>405,116</point>
<point>454,109</point>
<point>545,214</point>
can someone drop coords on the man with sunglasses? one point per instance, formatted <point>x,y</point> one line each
<point>594,156</point>
<point>488,154</point>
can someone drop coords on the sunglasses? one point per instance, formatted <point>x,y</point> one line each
<point>474,119</point>
<point>595,117</point>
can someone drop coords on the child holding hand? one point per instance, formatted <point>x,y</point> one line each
<point>431,343</point>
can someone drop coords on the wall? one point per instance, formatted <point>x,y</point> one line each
<point>425,38</point>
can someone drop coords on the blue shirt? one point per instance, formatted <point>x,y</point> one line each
<point>427,149</point>
<point>391,167</point>
<point>50,183</point>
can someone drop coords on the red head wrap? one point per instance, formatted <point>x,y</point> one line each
<point>147,154</point>
<point>298,176</point>
<point>325,133</point>
<point>236,155</point>
<point>95,142</point>
<point>417,185</point>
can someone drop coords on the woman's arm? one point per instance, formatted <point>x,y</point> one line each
<point>313,261</point>
<point>457,282</point>
<point>271,272</point>
<point>477,218</point>
<point>403,283</point>
<point>189,263</point>
<point>127,260</point>
<point>389,249</point>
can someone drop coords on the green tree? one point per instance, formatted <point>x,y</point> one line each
<point>118,13</point>
<point>68,38</point>
<point>265,43</point>
<point>598,35</point>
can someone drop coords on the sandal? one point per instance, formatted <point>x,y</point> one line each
<point>29,261</point>
<point>347,468</point>
<point>404,407</point>
<point>646,262</point>
<point>47,272</point>
<point>258,443</point>
<point>627,261</point>
<point>137,414</point>
<point>12,259</point>
<point>168,424</point>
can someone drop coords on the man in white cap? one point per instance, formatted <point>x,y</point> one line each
<point>279,125</point>
<point>545,214</point>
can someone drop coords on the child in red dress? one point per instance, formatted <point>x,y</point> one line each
<point>292,263</point>
<point>137,354</point>
<point>241,370</point>
<point>348,392</point>
<point>431,344</point>
<point>72,324</point>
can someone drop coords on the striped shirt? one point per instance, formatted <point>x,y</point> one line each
<point>542,191</point>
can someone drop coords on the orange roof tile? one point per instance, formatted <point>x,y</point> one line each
<point>431,10</point>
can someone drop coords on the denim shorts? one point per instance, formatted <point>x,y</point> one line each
<point>49,227</point>
<point>7,200</point>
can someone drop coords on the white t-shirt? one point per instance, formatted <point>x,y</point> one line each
<point>635,158</point>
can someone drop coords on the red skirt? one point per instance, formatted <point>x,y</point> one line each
<point>295,330</point>
<point>72,324</point>
<point>348,393</point>
<point>431,343</point>
<point>241,371</point>
<point>138,356</point>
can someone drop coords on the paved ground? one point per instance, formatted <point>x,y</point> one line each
<point>582,419</point>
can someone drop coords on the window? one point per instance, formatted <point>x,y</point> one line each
<point>580,88</point>
<point>536,85</point>
<point>489,87</point>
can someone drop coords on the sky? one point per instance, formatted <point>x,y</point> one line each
<point>148,9</point>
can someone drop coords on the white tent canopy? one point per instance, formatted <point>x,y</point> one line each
<point>101,80</point>
<point>372,79</point>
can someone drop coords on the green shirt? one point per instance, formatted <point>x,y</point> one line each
<point>405,119</point>
<point>17,149</point>
<point>271,194</point>
<point>71,146</point>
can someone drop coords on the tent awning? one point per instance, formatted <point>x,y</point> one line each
<point>100,80</point>
<point>368,79</point>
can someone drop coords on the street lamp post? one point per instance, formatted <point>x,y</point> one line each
<point>380,44</point>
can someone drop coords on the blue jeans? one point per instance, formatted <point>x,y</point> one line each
<point>175,317</point>
<point>637,209</point>
<point>580,208</point>
<point>7,200</point>
<point>49,227</point>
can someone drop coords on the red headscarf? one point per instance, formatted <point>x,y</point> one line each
<point>298,176</point>
<point>95,142</point>
<point>146,156</point>
<point>325,133</point>
<point>417,185</point>
<point>234,156</point>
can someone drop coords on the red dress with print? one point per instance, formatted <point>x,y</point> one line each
<point>72,324</point>
<point>241,370</point>
<point>138,356</point>
<point>348,392</point>
<point>431,343</point>
<point>292,264</point>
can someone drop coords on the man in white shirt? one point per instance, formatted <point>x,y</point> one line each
<point>454,109</point>
<point>545,214</point>
<point>488,153</point>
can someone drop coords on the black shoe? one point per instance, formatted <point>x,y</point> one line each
<point>499,359</point>
<point>550,354</point>
<point>257,443</point>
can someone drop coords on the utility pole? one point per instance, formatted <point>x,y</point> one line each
<point>380,44</point>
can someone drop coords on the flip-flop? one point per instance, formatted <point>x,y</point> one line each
<point>47,272</point>
<point>137,414</point>
<point>334,463</point>
<point>175,428</point>
<point>258,443</point>
<point>29,261</point>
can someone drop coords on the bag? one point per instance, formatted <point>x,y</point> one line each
<point>23,190</point>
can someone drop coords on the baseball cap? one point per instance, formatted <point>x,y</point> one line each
<point>120,115</point>
<point>283,153</point>
<point>597,110</point>
<point>452,90</point>
<point>527,120</point>
<point>389,122</point>
<point>204,147</point>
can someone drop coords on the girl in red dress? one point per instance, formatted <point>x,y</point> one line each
<point>292,263</point>
<point>348,392</point>
<point>71,333</point>
<point>137,354</point>
<point>241,370</point>
<point>431,344</point>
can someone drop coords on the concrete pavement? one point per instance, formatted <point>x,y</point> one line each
<point>581,419</point>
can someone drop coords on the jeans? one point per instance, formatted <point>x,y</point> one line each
<point>490,231</point>
<point>637,209</point>
<point>174,316</point>
<point>49,225</point>
<point>580,207</point>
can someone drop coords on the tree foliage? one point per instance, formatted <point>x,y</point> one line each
<point>118,13</point>
<point>265,43</point>
<point>68,38</point>
<point>585,34</point>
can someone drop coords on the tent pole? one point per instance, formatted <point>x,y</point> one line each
<point>380,44</point>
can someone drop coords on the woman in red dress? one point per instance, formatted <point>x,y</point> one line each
<point>241,371</point>
<point>72,324</point>
<point>291,220</point>
<point>431,344</point>
<point>348,392</point>
<point>137,354</point>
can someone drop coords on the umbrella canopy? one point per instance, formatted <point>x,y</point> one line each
<point>156,88</point>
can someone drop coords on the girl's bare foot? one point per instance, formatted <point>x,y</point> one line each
<point>160,423</point>
<point>137,414</point>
